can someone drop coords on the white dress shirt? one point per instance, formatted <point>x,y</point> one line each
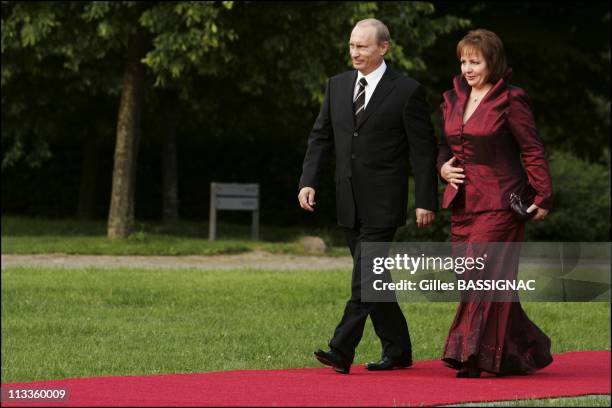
<point>373,78</point>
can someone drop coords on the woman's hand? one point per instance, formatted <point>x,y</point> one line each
<point>453,175</point>
<point>540,214</point>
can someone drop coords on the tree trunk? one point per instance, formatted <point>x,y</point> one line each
<point>121,213</point>
<point>170,203</point>
<point>87,190</point>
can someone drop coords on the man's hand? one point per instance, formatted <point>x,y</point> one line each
<point>452,174</point>
<point>424,217</point>
<point>540,214</point>
<point>306,198</point>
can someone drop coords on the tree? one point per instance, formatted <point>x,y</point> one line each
<point>164,39</point>
<point>257,58</point>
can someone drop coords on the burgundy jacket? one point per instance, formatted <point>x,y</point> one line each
<point>490,146</point>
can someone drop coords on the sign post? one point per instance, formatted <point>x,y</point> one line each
<point>233,196</point>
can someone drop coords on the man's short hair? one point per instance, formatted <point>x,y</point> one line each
<point>382,32</point>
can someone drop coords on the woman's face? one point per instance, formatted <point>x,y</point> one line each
<point>474,68</point>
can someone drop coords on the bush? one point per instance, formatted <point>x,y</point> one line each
<point>581,206</point>
<point>580,213</point>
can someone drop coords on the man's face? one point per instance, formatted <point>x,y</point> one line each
<point>366,53</point>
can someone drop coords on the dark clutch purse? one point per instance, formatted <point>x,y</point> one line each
<point>521,201</point>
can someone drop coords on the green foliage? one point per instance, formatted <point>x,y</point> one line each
<point>581,207</point>
<point>39,47</point>
<point>298,44</point>
<point>414,28</point>
<point>301,44</point>
<point>251,76</point>
<point>45,74</point>
<point>580,213</point>
<point>185,33</point>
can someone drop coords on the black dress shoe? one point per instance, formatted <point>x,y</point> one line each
<point>388,364</point>
<point>469,370</point>
<point>334,359</point>
<point>468,373</point>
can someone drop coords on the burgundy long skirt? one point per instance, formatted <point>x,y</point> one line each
<point>497,335</point>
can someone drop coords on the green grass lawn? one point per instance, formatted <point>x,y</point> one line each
<point>60,323</point>
<point>73,323</point>
<point>22,235</point>
<point>585,401</point>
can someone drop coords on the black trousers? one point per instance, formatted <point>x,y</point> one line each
<point>387,317</point>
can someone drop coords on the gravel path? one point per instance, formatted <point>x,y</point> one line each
<point>253,260</point>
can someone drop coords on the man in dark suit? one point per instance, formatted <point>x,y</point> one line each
<point>375,120</point>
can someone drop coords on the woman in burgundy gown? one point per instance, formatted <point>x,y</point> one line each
<point>489,149</point>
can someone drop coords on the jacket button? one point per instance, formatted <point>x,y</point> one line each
<point>355,134</point>
<point>353,156</point>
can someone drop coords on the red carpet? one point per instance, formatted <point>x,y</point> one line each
<point>425,383</point>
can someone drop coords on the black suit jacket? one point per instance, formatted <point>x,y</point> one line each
<point>372,154</point>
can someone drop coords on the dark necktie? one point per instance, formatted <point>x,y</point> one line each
<point>359,101</point>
